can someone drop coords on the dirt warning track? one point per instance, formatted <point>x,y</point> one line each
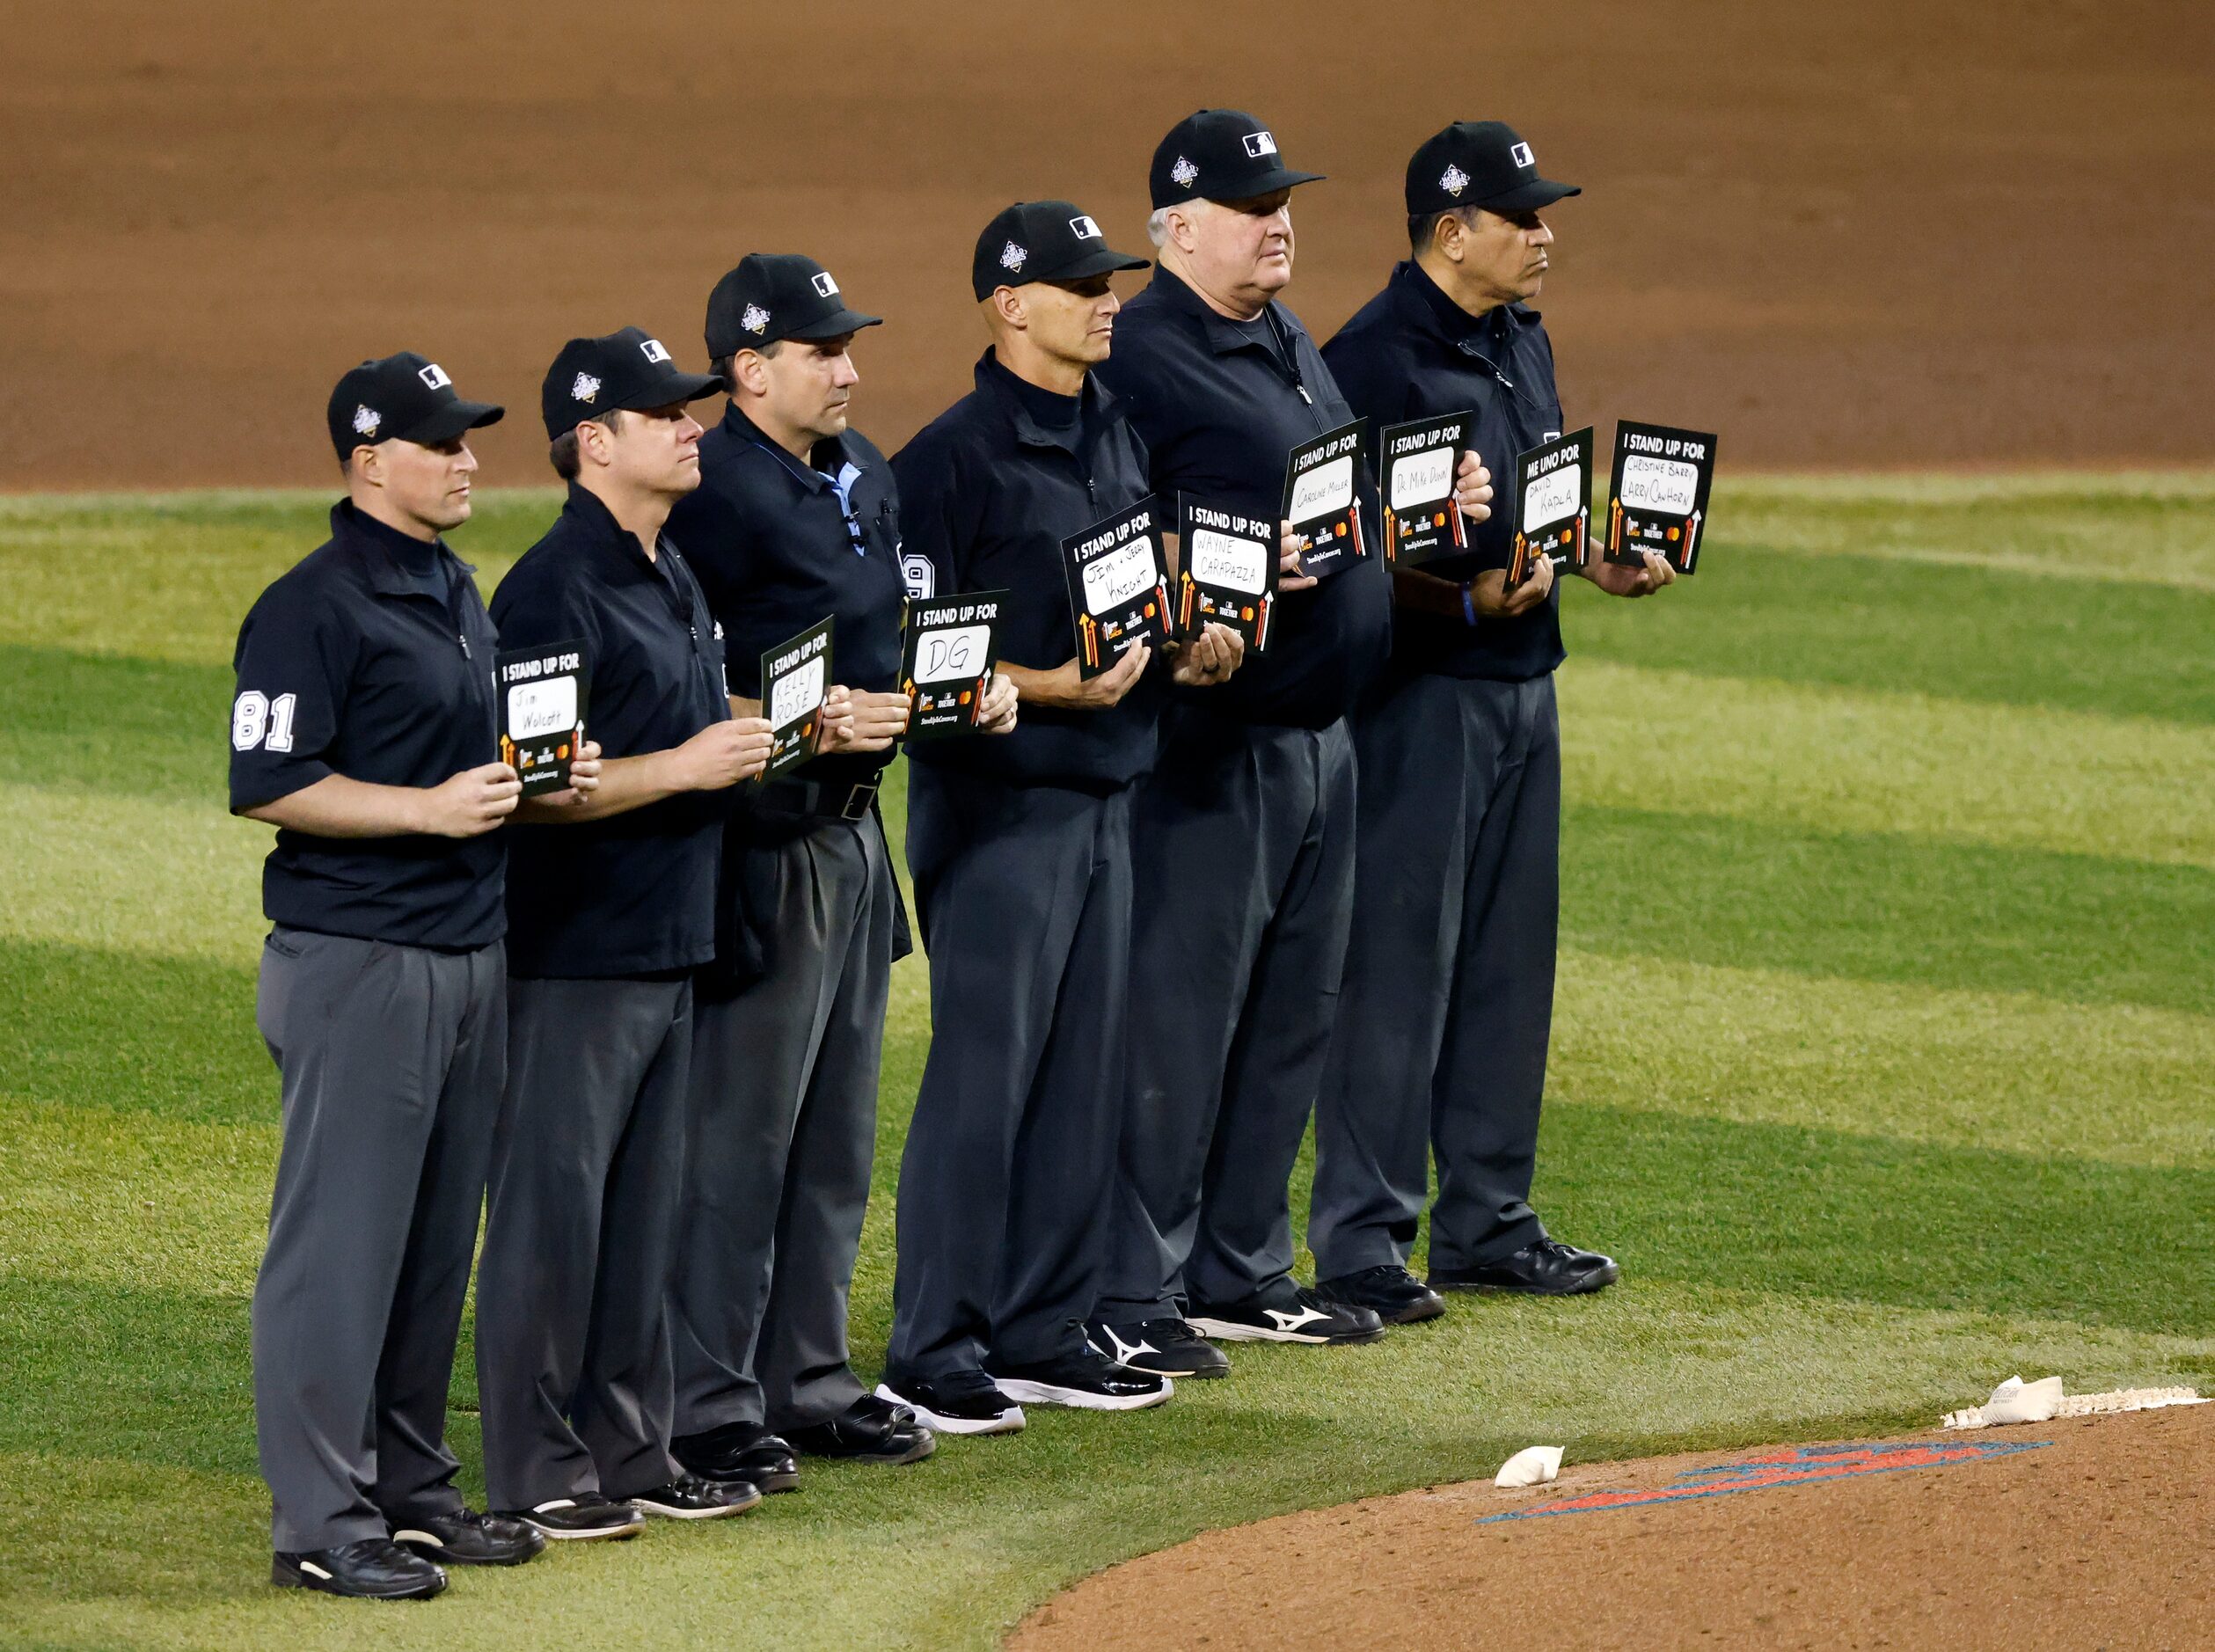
<point>1892,234</point>
<point>2083,1533</point>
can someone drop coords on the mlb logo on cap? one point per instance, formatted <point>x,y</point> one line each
<point>434,375</point>
<point>1084,229</point>
<point>825,287</point>
<point>1259,144</point>
<point>654,350</point>
<point>1521,155</point>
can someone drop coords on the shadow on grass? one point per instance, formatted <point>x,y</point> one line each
<point>1883,906</point>
<point>1818,1213</point>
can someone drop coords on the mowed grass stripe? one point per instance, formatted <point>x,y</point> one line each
<point>2009,1071</point>
<point>1889,906</point>
<point>1864,622</point>
<point>1686,744</point>
<point>174,1041</point>
<point>947,1554</point>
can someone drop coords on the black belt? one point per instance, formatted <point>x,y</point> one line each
<point>825,802</point>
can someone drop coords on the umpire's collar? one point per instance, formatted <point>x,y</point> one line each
<point>395,564</point>
<point>826,459</point>
<point>1223,334</point>
<point>1092,403</point>
<point>1423,301</point>
<point>603,533</point>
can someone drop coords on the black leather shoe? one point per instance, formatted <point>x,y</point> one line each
<point>960,1402</point>
<point>583,1517</point>
<point>740,1451</point>
<point>689,1497</point>
<point>1546,1269</point>
<point>369,1569</point>
<point>870,1430</point>
<point>1390,1291</point>
<point>1086,1379</point>
<point>466,1537</point>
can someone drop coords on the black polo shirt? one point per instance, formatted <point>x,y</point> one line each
<point>777,549</point>
<point>633,895</point>
<point>371,659</point>
<point>1411,352</point>
<point>987,492</point>
<point>1220,406</point>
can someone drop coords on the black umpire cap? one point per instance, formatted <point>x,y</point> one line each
<point>1220,154</point>
<point>405,396</point>
<point>629,371</point>
<point>772,296</point>
<point>1479,164</point>
<point>1043,241</point>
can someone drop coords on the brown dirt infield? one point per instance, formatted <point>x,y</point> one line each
<point>2101,1538</point>
<point>1892,233</point>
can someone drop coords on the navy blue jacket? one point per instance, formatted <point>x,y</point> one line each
<point>371,659</point>
<point>775,551</point>
<point>988,493</point>
<point>1411,352</point>
<point>633,895</point>
<point>1220,412</point>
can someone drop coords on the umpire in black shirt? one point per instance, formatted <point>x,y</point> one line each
<point>1021,851</point>
<point>795,520</point>
<point>1244,836</point>
<point>363,730</point>
<point>1448,1000</point>
<point>609,915</point>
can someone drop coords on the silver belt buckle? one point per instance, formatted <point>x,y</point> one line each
<point>859,799</point>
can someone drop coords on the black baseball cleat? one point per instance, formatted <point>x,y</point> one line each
<point>1546,1268</point>
<point>568,1519</point>
<point>1284,1312</point>
<point>368,1568</point>
<point>960,1402</point>
<point>740,1451</point>
<point>689,1497</point>
<point>1087,1380</point>
<point>466,1537</point>
<point>1396,1296</point>
<point>1165,1347</point>
<point>870,1430</point>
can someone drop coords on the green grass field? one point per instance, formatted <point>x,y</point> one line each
<point>1885,1061</point>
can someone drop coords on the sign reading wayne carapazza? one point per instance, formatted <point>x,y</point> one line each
<point>1226,571</point>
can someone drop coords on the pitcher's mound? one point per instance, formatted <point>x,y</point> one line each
<point>2095,1532</point>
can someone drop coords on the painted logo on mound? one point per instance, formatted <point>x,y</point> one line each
<point>1789,1466</point>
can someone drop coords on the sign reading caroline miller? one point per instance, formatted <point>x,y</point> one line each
<point>1322,500</point>
<point>1118,586</point>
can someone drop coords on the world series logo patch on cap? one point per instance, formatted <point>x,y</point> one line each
<point>1013,256</point>
<point>585,388</point>
<point>1184,171</point>
<point>755,320</point>
<point>366,419</point>
<point>1453,180</point>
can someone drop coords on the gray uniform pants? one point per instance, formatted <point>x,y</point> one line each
<point>1024,894</point>
<point>391,1059</point>
<point>783,1130</point>
<point>572,1356</point>
<point>1243,847</point>
<point>1448,1000</point>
